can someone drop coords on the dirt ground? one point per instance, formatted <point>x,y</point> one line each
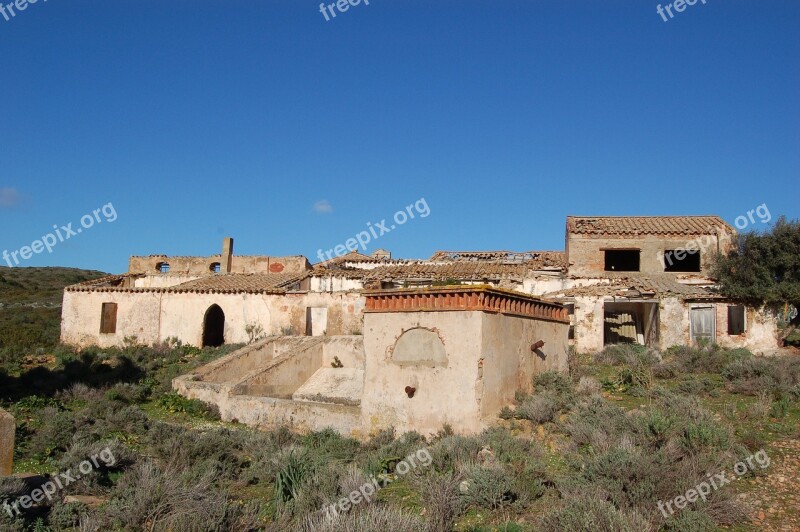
<point>775,497</point>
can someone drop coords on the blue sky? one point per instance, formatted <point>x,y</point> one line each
<point>200,119</point>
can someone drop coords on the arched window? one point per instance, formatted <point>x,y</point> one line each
<point>162,267</point>
<point>215,267</point>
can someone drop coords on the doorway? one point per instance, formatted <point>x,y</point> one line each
<point>703,324</point>
<point>214,327</point>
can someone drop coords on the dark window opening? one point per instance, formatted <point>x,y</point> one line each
<point>622,260</point>
<point>162,267</point>
<point>108,318</point>
<point>215,267</point>
<point>681,260</point>
<point>214,327</point>
<point>736,323</point>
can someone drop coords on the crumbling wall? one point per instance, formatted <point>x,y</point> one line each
<point>203,265</point>
<point>673,323</point>
<point>589,319</point>
<point>761,329</point>
<point>586,257</point>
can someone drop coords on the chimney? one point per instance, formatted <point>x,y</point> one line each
<point>227,254</point>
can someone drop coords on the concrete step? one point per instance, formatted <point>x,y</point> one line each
<point>342,386</point>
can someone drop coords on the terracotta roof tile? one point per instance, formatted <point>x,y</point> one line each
<point>229,283</point>
<point>542,259</point>
<point>474,271</point>
<point>647,225</point>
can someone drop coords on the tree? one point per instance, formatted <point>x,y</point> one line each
<point>765,270</point>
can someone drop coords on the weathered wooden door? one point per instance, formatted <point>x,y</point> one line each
<point>702,324</point>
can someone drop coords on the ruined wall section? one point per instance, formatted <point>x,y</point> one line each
<point>198,266</point>
<point>586,256</point>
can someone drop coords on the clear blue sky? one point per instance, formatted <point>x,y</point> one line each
<point>200,119</point>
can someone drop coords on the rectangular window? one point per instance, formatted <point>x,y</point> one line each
<point>108,319</point>
<point>622,260</point>
<point>736,318</point>
<point>681,260</point>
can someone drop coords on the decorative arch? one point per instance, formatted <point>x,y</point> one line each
<point>419,347</point>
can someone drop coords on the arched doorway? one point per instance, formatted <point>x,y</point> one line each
<point>214,327</point>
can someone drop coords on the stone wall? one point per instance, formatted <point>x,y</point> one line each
<point>7,429</point>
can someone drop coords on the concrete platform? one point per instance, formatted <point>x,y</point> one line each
<point>342,386</point>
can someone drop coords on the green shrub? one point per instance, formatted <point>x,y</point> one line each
<point>592,513</point>
<point>780,408</point>
<point>291,475</point>
<point>176,403</point>
<point>488,487</point>
<point>539,408</point>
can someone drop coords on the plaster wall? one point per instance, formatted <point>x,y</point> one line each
<point>444,393</point>
<point>152,317</point>
<point>507,363</point>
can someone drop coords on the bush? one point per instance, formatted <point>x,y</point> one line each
<point>539,408</point>
<point>627,354</point>
<point>372,518</point>
<point>705,359</point>
<point>442,499</point>
<point>488,487</point>
<point>176,403</point>
<point>588,386</point>
<point>592,513</point>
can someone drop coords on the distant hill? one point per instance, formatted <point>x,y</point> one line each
<point>30,308</point>
<point>44,286</point>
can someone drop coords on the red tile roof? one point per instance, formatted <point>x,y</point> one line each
<point>542,259</point>
<point>230,283</point>
<point>647,225</point>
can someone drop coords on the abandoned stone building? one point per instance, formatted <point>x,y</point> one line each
<point>362,343</point>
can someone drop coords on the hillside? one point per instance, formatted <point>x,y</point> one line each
<point>30,309</point>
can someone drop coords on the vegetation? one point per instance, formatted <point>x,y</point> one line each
<point>765,269</point>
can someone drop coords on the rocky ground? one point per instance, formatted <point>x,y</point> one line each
<point>775,497</point>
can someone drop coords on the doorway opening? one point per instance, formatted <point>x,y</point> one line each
<point>631,323</point>
<point>214,327</point>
